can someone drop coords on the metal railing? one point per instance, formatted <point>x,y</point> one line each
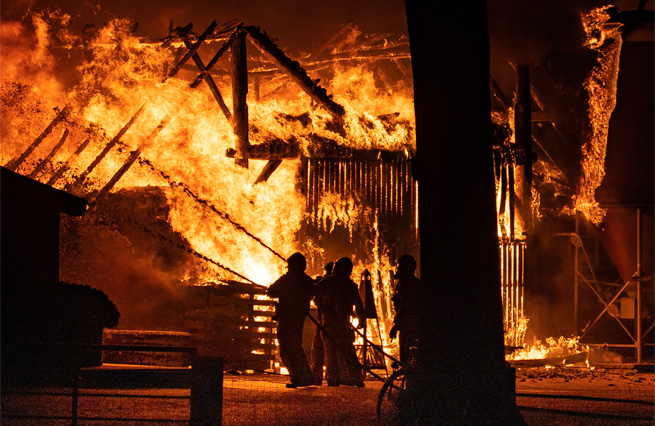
<point>205,383</point>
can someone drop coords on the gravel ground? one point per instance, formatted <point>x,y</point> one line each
<point>557,396</point>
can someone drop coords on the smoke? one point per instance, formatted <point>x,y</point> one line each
<point>143,286</point>
<point>527,31</point>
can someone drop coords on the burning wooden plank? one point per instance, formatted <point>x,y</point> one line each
<point>13,165</point>
<point>205,74</point>
<point>267,171</point>
<point>109,146</point>
<point>133,157</point>
<point>295,71</point>
<point>51,154</point>
<point>59,173</point>
<point>192,50</point>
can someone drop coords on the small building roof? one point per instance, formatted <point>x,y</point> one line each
<point>14,186</point>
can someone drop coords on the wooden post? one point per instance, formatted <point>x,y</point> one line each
<point>239,96</point>
<point>206,392</point>
<point>523,134</point>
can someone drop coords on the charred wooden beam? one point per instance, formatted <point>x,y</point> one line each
<point>59,173</point>
<point>109,146</point>
<point>48,157</point>
<point>267,171</point>
<point>275,149</point>
<point>205,70</point>
<point>523,117</point>
<point>523,135</point>
<point>176,33</point>
<point>295,71</point>
<point>134,155</point>
<point>192,50</point>
<point>13,165</point>
<point>211,83</point>
<point>239,96</point>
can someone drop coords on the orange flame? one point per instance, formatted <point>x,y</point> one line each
<point>601,87</point>
<point>123,81</point>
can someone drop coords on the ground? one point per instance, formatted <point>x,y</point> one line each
<point>556,396</point>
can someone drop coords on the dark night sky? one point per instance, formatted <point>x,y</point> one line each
<point>530,28</point>
<point>297,24</point>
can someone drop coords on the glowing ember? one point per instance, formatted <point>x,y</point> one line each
<point>552,348</point>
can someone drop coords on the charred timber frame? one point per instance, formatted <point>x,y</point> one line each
<point>13,165</point>
<point>192,50</point>
<point>205,71</point>
<point>239,96</point>
<point>295,71</point>
<point>51,154</point>
<point>60,172</point>
<point>109,146</point>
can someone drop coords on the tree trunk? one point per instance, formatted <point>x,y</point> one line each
<point>464,377</point>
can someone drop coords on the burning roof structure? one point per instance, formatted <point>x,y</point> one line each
<point>186,190</point>
<point>210,155</point>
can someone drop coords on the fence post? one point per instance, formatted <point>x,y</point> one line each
<point>206,391</point>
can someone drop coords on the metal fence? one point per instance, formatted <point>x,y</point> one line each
<point>201,385</point>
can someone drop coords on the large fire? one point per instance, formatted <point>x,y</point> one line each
<point>119,117</point>
<point>180,137</point>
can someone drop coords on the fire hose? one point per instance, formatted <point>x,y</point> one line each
<point>363,366</point>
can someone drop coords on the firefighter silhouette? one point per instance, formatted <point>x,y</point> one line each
<point>294,291</point>
<point>336,296</point>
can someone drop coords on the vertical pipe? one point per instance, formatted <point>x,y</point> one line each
<point>510,188</point>
<point>576,282</point>
<point>308,183</point>
<point>638,341</point>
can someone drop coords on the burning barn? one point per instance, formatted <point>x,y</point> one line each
<point>209,155</point>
